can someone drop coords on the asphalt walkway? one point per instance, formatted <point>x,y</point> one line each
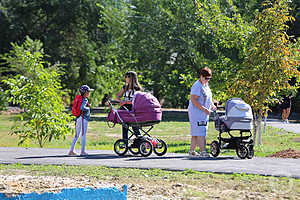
<point>223,164</point>
<point>291,127</point>
<point>280,167</point>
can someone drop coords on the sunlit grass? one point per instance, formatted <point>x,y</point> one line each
<point>176,134</point>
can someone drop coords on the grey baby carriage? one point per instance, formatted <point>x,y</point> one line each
<point>238,117</point>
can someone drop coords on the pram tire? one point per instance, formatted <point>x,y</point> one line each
<point>131,149</point>
<point>242,151</point>
<point>121,147</point>
<point>215,148</point>
<point>145,148</point>
<point>161,145</point>
<point>251,151</point>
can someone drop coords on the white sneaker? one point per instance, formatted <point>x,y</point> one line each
<point>204,154</point>
<point>287,121</point>
<point>193,154</point>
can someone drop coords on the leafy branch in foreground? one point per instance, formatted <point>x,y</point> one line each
<point>37,92</point>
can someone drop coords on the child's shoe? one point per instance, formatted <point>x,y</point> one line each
<point>83,154</point>
<point>72,153</point>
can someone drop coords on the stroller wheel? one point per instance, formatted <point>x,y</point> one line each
<point>251,151</point>
<point>161,148</point>
<point>145,148</point>
<point>215,148</point>
<point>121,147</point>
<point>242,151</point>
<point>134,151</point>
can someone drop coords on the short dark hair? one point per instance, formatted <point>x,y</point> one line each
<point>205,72</point>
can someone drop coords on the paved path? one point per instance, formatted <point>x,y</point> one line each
<point>170,161</point>
<point>291,127</point>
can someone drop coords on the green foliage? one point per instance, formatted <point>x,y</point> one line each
<point>70,35</point>
<point>270,62</point>
<point>168,40</point>
<point>38,92</point>
<point>3,100</point>
<point>165,41</point>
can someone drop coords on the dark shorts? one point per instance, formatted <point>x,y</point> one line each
<point>285,105</point>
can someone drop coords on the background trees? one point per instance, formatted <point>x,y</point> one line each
<point>96,41</point>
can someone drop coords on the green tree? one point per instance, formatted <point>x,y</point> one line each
<point>168,40</point>
<point>70,34</point>
<point>37,92</point>
<point>270,63</point>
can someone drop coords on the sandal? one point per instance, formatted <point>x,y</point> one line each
<point>204,154</point>
<point>193,154</point>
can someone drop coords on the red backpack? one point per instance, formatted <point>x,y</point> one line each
<point>76,111</point>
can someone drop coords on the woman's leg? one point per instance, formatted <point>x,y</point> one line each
<point>202,143</point>
<point>283,114</point>
<point>288,111</point>
<point>193,143</point>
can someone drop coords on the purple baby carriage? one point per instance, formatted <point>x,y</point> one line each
<point>145,113</point>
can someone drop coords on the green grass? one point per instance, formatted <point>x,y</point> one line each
<point>186,184</point>
<point>176,134</point>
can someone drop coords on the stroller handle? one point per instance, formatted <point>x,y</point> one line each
<point>111,106</point>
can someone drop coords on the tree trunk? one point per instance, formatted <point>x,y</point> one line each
<point>254,127</point>
<point>259,129</point>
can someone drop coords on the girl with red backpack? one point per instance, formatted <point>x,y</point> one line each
<point>81,109</point>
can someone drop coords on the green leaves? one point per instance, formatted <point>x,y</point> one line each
<point>270,62</point>
<point>37,92</point>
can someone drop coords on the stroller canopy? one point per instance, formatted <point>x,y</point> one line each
<point>146,108</point>
<point>238,115</point>
<point>236,107</point>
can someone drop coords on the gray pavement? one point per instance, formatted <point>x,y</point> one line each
<point>223,164</point>
<point>291,127</point>
<point>280,167</point>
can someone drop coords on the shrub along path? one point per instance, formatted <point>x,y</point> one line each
<point>285,167</point>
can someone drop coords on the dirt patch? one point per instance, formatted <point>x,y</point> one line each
<point>13,185</point>
<point>289,153</point>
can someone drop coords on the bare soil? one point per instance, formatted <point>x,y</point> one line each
<point>289,153</point>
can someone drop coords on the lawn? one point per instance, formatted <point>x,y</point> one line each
<point>174,132</point>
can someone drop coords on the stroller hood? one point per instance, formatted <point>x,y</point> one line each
<point>236,107</point>
<point>146,108</point>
